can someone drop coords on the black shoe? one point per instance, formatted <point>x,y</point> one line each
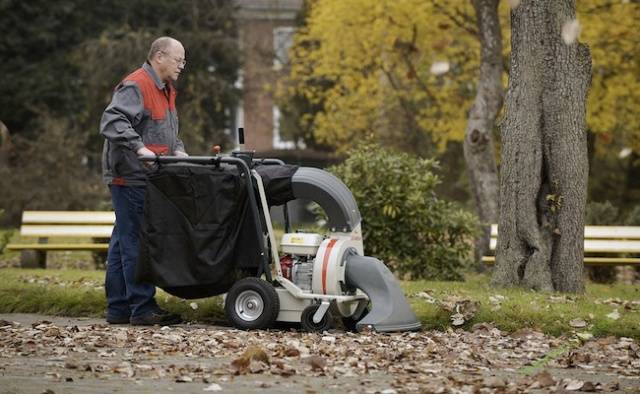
<point>117,319</point>
<point>158,316</point>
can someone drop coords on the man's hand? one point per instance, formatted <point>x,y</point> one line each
<point>180,153</point>
<point>144,151</point>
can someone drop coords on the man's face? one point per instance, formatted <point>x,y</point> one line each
<point>173,62</point>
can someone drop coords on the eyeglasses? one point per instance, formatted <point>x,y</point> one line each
<point>182,62</point>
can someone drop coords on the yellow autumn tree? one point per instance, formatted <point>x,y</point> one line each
<point>400,70</point>
<point>610,28</point>
<point>405,71</point>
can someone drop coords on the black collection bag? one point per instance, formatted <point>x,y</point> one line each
<point>198,233</point>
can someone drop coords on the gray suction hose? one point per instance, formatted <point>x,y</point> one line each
<point>390,311</point>
<point>331,194</point>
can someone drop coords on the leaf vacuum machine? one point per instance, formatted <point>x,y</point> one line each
<point>207,231</point>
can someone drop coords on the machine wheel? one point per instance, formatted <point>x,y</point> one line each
<point>307,320</point>
<point>252,303</point>
<point>350,322</point>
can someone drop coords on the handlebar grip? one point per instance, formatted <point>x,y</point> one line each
<point>241,135</point>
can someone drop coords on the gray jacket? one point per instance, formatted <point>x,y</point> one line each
<point>142,112</point>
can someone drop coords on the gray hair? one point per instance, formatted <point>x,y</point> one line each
<point>161,44</point>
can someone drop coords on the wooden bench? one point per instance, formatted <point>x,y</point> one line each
<point>52,230</point>
<point>603,245</point>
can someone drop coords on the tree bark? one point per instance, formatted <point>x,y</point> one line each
<point>478,142</point>
<point>5,144</point>
<point>543,178</point>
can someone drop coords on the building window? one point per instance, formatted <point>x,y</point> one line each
<point>282,42</point>
<point>279,143</point>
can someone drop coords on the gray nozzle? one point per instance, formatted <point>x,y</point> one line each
<point>390,310</point>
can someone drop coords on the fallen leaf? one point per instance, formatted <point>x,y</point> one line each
<point>611,386</point>
<point>494,382</point>
<point>457,319</point>
<point>544,379</point>
<point>317,362</point>
<point>574,385</point>
<point>578,323</point>
<point>585,336</point>
<point>257,353</point>
<point>291,352</point>
<point>241,364</point>
<point>615,315</point>
<point>52,332</point>
<point>427,297</point>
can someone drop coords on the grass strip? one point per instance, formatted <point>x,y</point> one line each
<point>72,292</point>
<point>552,355</point>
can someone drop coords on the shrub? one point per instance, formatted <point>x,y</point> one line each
<point>5,236</point>
<point>49,172</point>
<point>404,222</point>
<point>633,217</point>
<point>601,213</point>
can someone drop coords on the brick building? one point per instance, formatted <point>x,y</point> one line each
<point>266,29</point>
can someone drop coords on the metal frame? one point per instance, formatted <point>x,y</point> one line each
<point>242,160</point>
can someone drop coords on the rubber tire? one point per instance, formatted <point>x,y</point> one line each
<point>350,322</point>
<point>306,320</point>
<point>270,301</point>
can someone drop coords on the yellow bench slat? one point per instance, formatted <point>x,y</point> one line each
<point>68,217</point>
<point>599,246</point>
<point>599,232</point>
<point>78,246</point>
<point>587,260</point>
<point>37,230</point>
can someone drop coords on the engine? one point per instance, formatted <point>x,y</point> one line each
<point>299,255</point>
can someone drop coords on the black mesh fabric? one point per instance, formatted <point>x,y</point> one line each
<point>192,231</point>
<point>198,232</point>
<point>277,183</point>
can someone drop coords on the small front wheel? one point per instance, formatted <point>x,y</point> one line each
<point>307,320</point>
<point>350,323</point>
<point>252,303</point>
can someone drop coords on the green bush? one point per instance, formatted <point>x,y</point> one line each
<point>633,217</point>
<point>404,223</point>
<point>601,213</point>
<point>5,236</point>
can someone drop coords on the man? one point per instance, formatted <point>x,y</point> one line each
<point>141,120</point>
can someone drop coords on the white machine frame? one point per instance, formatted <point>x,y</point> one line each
<point>293,300</point>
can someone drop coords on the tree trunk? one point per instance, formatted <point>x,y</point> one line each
<point>543,183</point>
<point>5,144</point>
<point>478,141</point>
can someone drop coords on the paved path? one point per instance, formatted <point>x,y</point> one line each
<point>77,355</point>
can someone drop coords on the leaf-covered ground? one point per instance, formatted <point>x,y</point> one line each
<point>83,355</point>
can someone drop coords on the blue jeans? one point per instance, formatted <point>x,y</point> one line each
<point>125,296</point>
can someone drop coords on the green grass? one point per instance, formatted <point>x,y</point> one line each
<point>79,293</point>
<point>547,312</point>
<point>72,292</point>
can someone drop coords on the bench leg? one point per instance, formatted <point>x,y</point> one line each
<point>99,260</point>
<point>33,259</point>
<point>100,257</point>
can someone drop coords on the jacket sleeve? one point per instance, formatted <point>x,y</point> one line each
<point>121,115</point>
<point>179,145</point>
